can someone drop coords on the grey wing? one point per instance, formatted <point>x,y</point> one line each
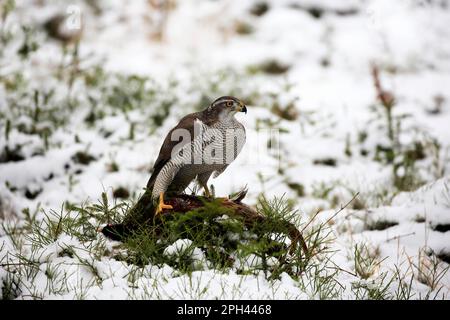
<point>219,172</point>
<point>165,153</point>
<point>241,139</point>
<point>237,138</point>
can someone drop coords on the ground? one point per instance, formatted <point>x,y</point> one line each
<point>84,122</point>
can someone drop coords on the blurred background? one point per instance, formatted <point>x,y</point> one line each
<point>106,80</point>
<point>345,97</point>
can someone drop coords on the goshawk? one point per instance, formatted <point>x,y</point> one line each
<point>201,144</point>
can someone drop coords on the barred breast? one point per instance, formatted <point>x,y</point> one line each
<point>211,151</point>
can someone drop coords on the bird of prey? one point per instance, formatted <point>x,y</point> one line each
<point>201,144</point>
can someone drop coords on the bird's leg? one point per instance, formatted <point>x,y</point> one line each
<point>205,187</point>
<point>208,193</point>
<point>202,180</point>
<point>162,205</point>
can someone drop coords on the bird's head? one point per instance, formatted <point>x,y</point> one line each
<point>228,106</point>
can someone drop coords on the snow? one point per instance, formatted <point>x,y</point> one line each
<point>408,39</point>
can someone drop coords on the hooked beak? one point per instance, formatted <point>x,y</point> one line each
<point>243,108</point>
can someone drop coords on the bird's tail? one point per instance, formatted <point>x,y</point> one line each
<point>137,217</point>
<point>142,211</point>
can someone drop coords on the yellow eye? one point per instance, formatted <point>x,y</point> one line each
<point>229,103</point>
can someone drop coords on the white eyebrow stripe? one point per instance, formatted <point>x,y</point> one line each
<point>225,100</point>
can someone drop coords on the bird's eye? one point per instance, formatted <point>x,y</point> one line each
<point>229,103</point>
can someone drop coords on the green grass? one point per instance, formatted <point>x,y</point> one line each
<point>217,240</point>
<point>213,238</point>
<point>225,240</point>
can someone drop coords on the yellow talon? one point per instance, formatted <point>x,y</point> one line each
<point>162,205</point>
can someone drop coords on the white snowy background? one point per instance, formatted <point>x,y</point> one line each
<point>214,48</point>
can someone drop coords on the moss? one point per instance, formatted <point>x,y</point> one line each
<point>224,238</point>
<point>204,227</point>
